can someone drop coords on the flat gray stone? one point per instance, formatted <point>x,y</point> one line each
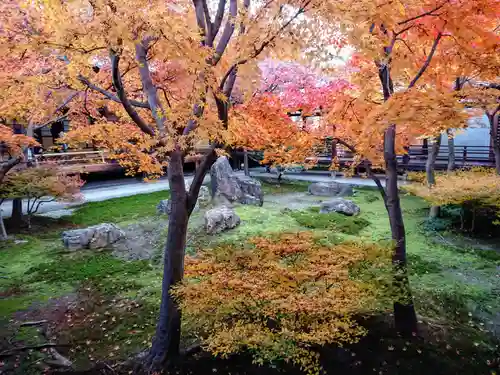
<point>340,205</point>
<point>94,237</point>
<point>330,189</point>
<point>219,219</point>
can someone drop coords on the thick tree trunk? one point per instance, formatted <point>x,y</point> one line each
<point>429,170</point>
<point>451,151</point>
<point>165,345</point>
<point>16,218</point>
<point>404,310</point>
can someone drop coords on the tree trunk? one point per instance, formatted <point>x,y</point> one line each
<point>3,232</point>
<point>451,151</point>
<point>404,311</point>
<point>431,160</point>
<point>496,152</point>
<point>495,138</point>
<point>165,346</point>
<point>405,317</point>
<point>245,162</point>
<point>429,170</point>
<point>16,218</point>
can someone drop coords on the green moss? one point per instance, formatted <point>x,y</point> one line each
<point>271,186</point>
<point>35,294</point>
<point>15,259</point>
<point>254,221</point>
<point>311,218</point>
<point>119,209</point>
<point>87,267</point>
<point>420,266</point>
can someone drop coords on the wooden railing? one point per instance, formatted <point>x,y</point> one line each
<point>70,157</point>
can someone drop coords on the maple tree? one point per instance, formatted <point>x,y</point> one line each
<point>397,94</point>
<point>40,185</point>
<point>151,79</point>
<point>281,297</point>
<point>285,87</point>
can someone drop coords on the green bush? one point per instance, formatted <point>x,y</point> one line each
<point>311,218</point>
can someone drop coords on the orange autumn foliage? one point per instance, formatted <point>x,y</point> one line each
<point>280,297</point>
<point>171,72</point>
<point>262,124</point>
<point>424,45</point>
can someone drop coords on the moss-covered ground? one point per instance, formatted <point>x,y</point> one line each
<point>105,308</point>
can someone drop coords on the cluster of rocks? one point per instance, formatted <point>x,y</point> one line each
<point>337,204</point>
<point>226,188</point>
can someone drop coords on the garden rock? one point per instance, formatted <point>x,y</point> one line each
<point>330,189</point>
<point>94,237</point>
<point>204,198</point>
<point>225,183</point>
<point>340,205</point>
<point>220,219</point>
<point>164,207</point>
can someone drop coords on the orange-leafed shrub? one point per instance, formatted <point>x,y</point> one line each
<point>280,298</point>
<point>40,185</point>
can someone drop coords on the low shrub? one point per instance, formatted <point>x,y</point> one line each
<point>280,298</point>
<point>311,218</point>
<point>475,191</point>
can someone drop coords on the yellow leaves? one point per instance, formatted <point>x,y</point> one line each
<point>278,296</point>
<point>477,186</point>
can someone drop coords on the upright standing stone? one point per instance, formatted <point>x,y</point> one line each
<point>226,185</point>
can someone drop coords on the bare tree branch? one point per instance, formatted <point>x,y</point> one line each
<point>217,21</point>
<point>428,13</point>
<point>5,167</point>
<point>149,88</point>
<point>200,19</point>
<point>109,95</point>
<point>227,33</point>
<point>376,180</point>
<point>264,44</point>
<point>208,23</point>
<point>117,82</point>
<point>427,61</point>
<point>15,351</point>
